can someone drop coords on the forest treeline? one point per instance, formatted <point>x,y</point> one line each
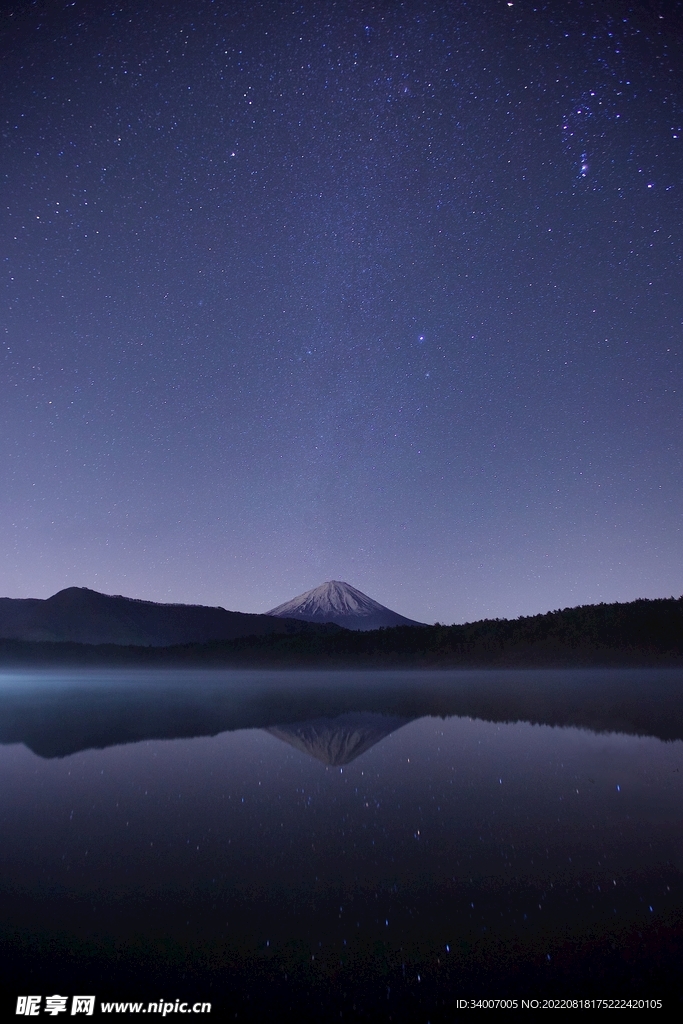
<point>639,632</point>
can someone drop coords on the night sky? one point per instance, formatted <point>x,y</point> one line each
<point>388,293</point>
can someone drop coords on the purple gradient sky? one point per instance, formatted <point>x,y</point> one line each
<point>382,293</point>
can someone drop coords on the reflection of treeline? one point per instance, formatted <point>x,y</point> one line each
<point>641,632</point>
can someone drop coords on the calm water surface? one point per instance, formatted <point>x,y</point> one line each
<point>353,858</point>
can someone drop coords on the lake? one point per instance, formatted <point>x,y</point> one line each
<point>343,845</point>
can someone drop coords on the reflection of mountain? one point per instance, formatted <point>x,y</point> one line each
<point>334,716</point>
<point>338,740</point>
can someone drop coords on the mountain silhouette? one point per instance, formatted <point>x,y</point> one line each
<point>85,616</point>
<point>341,603</point>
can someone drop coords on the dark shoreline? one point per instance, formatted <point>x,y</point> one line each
<point>641,633</point>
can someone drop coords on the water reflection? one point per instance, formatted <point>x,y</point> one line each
<point>340,740</point>
<point>56,714</point>
<point>379,863</point>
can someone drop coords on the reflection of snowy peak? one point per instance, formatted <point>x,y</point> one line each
<point>343,604</point>
<point>338,740</point>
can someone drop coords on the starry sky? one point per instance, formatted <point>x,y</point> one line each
<point>388,292</point>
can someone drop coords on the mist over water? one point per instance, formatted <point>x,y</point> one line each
<point>363,854</point>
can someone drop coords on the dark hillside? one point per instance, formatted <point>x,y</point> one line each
<point>79,615</point>
<point>639,633</point>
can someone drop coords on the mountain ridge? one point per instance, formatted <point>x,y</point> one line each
<point>81,615</point>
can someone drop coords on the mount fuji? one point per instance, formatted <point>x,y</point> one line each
<point>341,603</point>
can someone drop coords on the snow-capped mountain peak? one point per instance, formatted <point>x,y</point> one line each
<point>339,602</point>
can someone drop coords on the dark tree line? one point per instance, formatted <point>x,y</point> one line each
<point>640,632</point>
